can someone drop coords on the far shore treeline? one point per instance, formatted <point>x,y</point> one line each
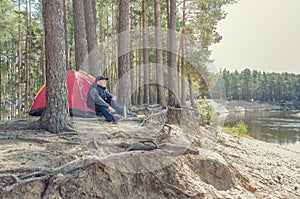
<point>254,85</point>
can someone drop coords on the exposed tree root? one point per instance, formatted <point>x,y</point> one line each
<point>23,125</point>
<point>172,148</point>
<point>56,177</point>
<point>37,139</point>
<point>137,146</point>
<point>34,125</point>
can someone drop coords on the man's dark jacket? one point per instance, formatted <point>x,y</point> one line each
<point>98,95</point>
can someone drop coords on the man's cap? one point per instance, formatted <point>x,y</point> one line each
<point>101,78</point>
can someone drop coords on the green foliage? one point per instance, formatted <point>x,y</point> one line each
<point>20,54</point>
<point>8,20</point>
<point>239,129</point>
<point>207,113</point>
<point>203,22</point>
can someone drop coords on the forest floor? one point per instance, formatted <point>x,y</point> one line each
<point>130,160</point>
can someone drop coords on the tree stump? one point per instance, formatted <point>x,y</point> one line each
<point>183,117</point>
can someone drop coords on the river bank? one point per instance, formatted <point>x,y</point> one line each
<point>92,163</point>
<point>223,106</point>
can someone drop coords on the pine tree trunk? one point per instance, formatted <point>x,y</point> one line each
<point>1,85</point>
<point>6,102</point>
<point>27,80</point>
<point>145,54</point>
<point>132,76</point>
<point>12,83</point>
<point>139,64</point>
<point>42,62</point>
<point>79,34</point>
<point>55,117</point>
<point>101,39</point>
<point>94,6</point>
<point>19,63</point>
<point>123,54</point>
<point>192,97</point>
<point>183,93</point>
<point>94,63</point>
<point>172,70</point>
<point>137,78</point>
<point>66,34</point>
<point>106,54</point>
<point>159,54</point>
<point>30,55</point>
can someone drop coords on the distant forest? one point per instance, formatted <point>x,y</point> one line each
<point>261,86</point>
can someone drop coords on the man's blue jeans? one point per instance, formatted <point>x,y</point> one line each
<point>104,111</point>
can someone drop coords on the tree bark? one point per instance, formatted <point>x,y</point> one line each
<point>123,54</point>
<point>183,69</point>
<point>101,38</point>
<point>159,54</point>
<point>66,33</point>
<point>94,6</point>
<point>13,86</point>
<point>55,117</point>
<point>132,76</point>
<point>140,83</point>
<point>93,54</point>
<point>172,71</point>
<point>19,62</point>
<point>79,33</point>
<point>192,97</point>
<point>1,85</point>
<point>146,53</point>
<point>27,80</point>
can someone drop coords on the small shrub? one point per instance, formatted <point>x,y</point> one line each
<point>239,129</point>
<point>208,114</point>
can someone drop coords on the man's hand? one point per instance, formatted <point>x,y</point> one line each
<point>110,109</point>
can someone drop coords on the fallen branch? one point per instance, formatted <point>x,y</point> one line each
<point>138,146</point>
<point>171,148</point>
<point>60,134</point>
<point>183,108</point>
<point>131,119</point>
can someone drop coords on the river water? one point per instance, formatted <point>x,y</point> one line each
<point>279,127</point>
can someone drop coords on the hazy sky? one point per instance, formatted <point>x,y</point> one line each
<point>260,34</point>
